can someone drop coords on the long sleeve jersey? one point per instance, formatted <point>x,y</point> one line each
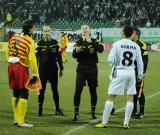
<point>21,46</point>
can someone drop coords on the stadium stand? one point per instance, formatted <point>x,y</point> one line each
<point>71,14</point>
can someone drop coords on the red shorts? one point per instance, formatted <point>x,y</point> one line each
<point>63,50</point>
<point>18,75</point>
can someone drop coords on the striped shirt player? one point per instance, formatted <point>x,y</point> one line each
<point>21,56</point>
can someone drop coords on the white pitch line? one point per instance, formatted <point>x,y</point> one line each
<point>97,120</point>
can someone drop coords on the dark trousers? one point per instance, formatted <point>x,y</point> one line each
<point>139,97</point>
<point>51,74</point>
<point>91,77</point>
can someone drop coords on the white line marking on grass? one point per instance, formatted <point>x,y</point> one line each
<point>153,95</point>
<point>97,120</point>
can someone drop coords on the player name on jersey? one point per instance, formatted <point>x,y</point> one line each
<point>128,47</point>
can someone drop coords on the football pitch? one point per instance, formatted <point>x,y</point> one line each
<point>50,124</point>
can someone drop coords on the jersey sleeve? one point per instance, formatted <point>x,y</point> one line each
<point>112,55</point>
<point>139,61</point>
<point>8,50</point>
<point>33,60</point>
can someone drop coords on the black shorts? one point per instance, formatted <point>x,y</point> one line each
<point>23,93</point>
<point>48,72</point>
<point>87,73</point>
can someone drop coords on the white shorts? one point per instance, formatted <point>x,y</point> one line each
<point>123,83</point>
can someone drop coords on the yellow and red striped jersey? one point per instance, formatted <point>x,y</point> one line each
<point>21,46</point>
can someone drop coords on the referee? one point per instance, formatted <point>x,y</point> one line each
<point>85,52</point>
<point>48,54</point>
<point>140,83</point>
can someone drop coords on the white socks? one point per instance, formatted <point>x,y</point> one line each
<point>128,112</point>
<point>107,110</point>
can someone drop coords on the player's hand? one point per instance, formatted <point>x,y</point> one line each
<point>87,38</point>
<point>33,80</point>
<point>79,49</point>
<point>140,76</point>
<point>60,73</point>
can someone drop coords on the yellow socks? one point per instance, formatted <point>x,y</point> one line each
<point>22,108</point>
<point>15,106</point>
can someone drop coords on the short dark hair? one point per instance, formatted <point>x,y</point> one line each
<point>138,32</point>
<point>128,31</point>
<point>27,26</point>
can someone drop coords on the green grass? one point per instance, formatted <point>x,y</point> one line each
<point>58,125</point>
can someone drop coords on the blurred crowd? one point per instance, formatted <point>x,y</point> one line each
<point>141,13</point>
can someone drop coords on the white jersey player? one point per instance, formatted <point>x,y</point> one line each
<point>122,56</point>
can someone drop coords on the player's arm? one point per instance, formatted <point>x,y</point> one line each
<point>59,59</point>
<point>38,49</point>
<point>112,56</point>
<point>139,63</point>
<point>99,47</point>
<point>78,50</point>
<point>33,61</point>
<point>144,52</point>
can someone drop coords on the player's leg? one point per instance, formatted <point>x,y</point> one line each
<point>135,99</point>
<point>93,83</point>
<point>116,87</point>
<point>54,85</point>
<point>113,111</point>
<point>128,111</point>
<point>43,73</point>
<point>65,56</point>
<point>80,82</point>
<point>93,94</point>
<point>41,97</point>
<point>138,97</point>
<point>16,95</point>
<point>131,91</point>
<point>21,75</point>
<point>106,112</point>
<point>22,108</point>
<point>142,104</point>
<point>108,108</point>
<point>141,100</point>
<point>15,99</point>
